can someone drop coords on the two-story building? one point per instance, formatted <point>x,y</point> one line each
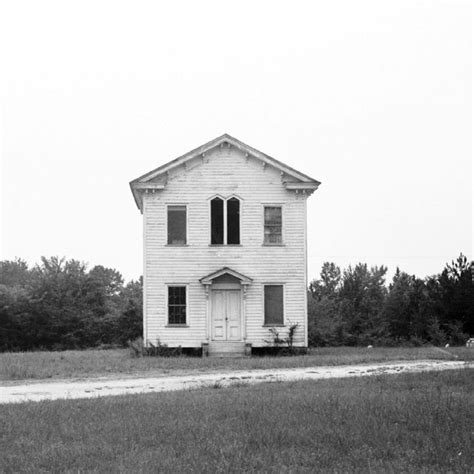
<point>225,251</point>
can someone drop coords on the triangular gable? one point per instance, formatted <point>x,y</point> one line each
<point>144,182</point>
<point>207,280</point>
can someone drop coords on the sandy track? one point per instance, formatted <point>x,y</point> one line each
<point>94,388</point>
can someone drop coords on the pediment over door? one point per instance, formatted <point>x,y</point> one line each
<point>226,275</point>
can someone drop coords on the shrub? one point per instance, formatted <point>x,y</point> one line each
<point>137,348</point>
<point>278,341</point>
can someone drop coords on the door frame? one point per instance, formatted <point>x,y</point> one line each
<point>226,286</point>
<point>211,328</point>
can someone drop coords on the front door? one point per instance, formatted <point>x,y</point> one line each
<point>226,315</point>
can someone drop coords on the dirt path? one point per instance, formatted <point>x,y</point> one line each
<point>94,388</point>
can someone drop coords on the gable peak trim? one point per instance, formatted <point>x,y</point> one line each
<point>141,183</point>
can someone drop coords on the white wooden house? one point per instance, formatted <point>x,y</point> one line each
<point>225,257</point>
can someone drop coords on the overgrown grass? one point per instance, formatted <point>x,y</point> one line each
<point>97,363</point>
<point>406,423</point>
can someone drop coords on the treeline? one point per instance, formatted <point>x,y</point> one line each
<point>59,304</point>
<point>355,307</point>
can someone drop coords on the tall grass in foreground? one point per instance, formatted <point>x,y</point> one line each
<point>90,363</point>
<point>410,423</point>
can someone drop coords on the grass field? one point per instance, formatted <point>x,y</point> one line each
<point>97,363</point>
<point>405,423</point>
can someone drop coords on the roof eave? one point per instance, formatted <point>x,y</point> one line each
<point>311,186</point>
<point>139,188</point>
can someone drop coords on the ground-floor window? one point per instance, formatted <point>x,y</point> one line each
<point>176,305</point>
<point>274,304</point>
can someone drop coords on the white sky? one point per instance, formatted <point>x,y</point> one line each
<point>374,99</point>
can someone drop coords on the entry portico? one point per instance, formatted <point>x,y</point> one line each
<point>226,292</point>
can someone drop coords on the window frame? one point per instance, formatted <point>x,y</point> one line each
<point>174,204</point>
<point>225,199</point>
<point>224,219</point>
<point>283,286</point>
<point>276,244</point>
<point>177,285</point>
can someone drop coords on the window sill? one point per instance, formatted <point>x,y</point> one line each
<point>176,245</point>
<point>176,326</point>
<point>273,245</point>
<point>274,325</point>
<point>225,245</point>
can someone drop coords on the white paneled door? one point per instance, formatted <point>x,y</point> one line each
<point>226,315</point>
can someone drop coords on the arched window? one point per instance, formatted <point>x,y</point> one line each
<point>233,221</point>
<point>217,221</point>
<point>225,221</point>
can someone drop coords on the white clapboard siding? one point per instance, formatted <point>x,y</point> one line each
<point>223,172</point>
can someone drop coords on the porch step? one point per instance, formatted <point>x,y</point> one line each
<point>226,349</point>
<point>227,355</point>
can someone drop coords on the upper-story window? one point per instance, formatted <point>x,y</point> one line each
<point>217,221</point>
<point>233,221</point>
<point>273,225</point>
<point>225,221</point>
<point>176,225</point>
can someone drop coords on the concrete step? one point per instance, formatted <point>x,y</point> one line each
<point>227,355</point>
<point>226,346</point>
<point>226,349</point>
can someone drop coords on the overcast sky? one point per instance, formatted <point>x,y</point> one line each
<point>374,99</point>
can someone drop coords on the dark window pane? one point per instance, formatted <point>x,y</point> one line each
<point>176,305</point>
<point>177,225</point>
<point>274,304</point>
<point>272,229</point>
<point>273,215</point>
<point>217,221</point>
<point>233,221</point>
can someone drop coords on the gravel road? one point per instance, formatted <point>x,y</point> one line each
<point>93,388</point>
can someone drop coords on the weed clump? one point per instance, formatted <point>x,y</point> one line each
<point>138,348</point>
<point>284,345</point>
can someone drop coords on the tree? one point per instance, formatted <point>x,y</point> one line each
<point>406,312</point>
<point>60,305</point>
<point>324,321</point>
<point>14,273</point>
<point>60,309</point>
<point>362,295</point>
<point>15,302</point>
<point>15,318</point>
<point>103,296</point>
<point>130,324</point>
<point>329,283</point>
<point>453,300</point>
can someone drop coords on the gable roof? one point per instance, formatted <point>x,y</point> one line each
<point>143,183</point>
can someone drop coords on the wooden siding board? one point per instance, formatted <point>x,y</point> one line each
<point>227,173</point>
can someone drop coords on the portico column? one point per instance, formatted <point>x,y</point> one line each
<point>244,312</point>
<point>208,312</point>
